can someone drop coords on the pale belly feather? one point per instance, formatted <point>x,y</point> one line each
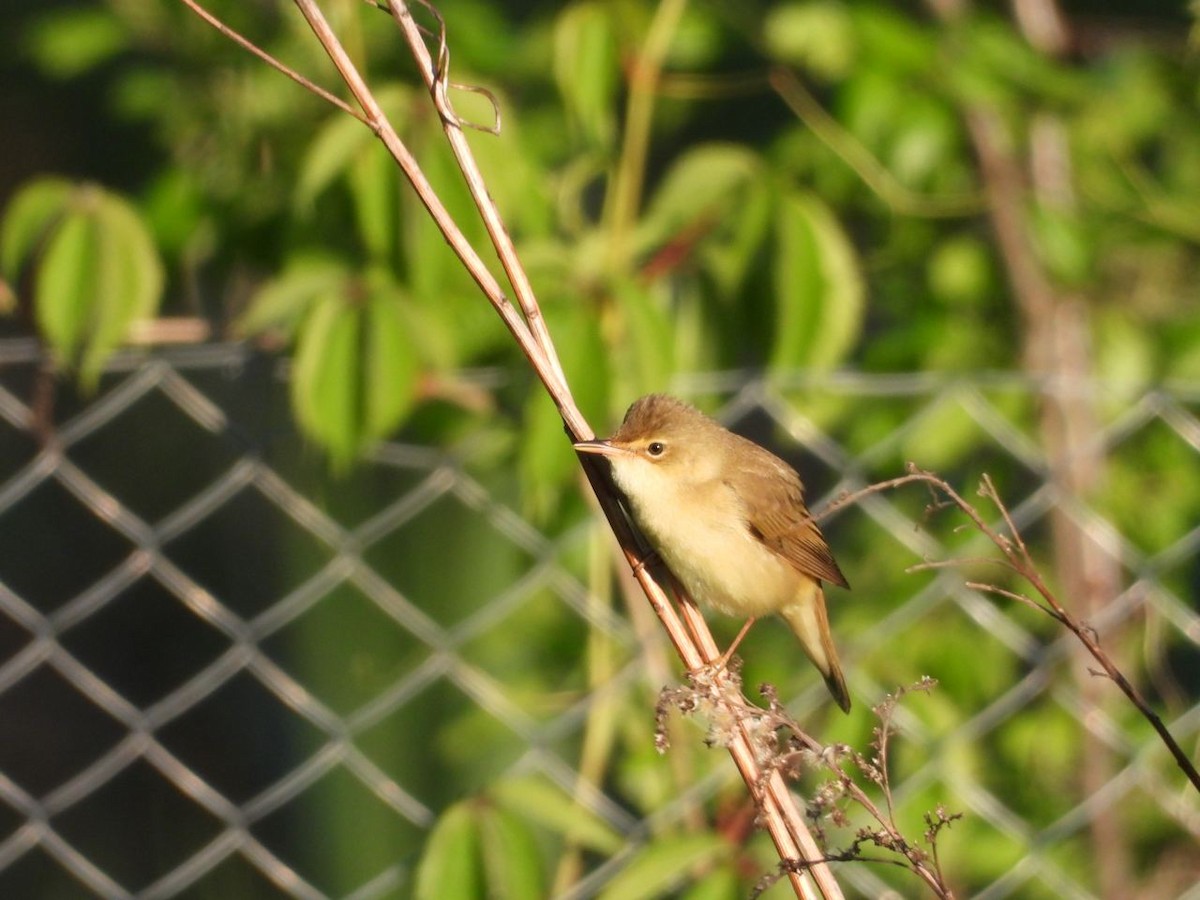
<point>718,561</point>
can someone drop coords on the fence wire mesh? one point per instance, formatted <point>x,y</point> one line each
<point>180,721</point>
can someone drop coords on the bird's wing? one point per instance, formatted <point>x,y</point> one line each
<point>781,521</point>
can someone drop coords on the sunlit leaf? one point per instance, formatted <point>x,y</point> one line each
<point>662,864</point>
<point>373,185</point>
<point>98,274</point>
<point>704,182</point>
<point>735,246</point>
<point>128,286</point>
<point>719,884</point>
<point>541,802</point>
<point>893,42</point>
<point>330,154</point>
<point>959,271</point>
<point>1062,243</point>
<point>818,35</point>
<point>325,384</point>
<point>283,302</point>
<point>356,367</point>
<point>27,219</point>
<point>68,42</point>
<point>646,352</point>
<point>547,462</point>
<point>512,863</point>
<point>818,287</point>
<point>66,279</point>
<point>175,210</point>
<point>585,67</point>
<point>391,365</point>
<point>449,867</point>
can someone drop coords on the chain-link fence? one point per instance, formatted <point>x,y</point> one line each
<point>214,679</point>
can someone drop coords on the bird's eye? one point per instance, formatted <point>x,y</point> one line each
<point>656,448</point>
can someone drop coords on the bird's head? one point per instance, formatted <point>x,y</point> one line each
<point>662,446</point>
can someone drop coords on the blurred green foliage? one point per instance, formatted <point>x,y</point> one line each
<point>837,223</point>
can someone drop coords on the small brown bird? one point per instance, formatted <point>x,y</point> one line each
<point>728,518</point>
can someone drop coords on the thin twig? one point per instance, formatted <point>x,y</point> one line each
<point>247,44</point>
<point>436,79</point>
<point>776,718</point>
<point>848,498</point>
<point>1017,555</point>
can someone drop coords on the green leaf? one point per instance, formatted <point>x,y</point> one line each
<point>29,216</point>
<point>511,862</point>
<point>818,35</point>
<point>356,368</point>
<point>66,279</point>
<point>100,271</point>
<point>697,42</point>
<point>373,185</point>
<point>733,249</point>
<point>449,867</point>
<point>702,183</point>
<point>720,884</point>
<point>333,149</point>
<point>661,865</point>
<point>325,385</point>
<point>947,435</point>
<point>1062,243</point>
<point>892,42</point>
<point>432,269</point>
<point>646,350</point>
<point>959,271</point>
<point>176,211</point>
<point>586,68</point>
<point>541,802</point>
<point>129,283</point>
<point>1125,352</point>
<point>547,462</point>
<point>69,42</point>
<point>283,302</point>
<point>391,368</point>
<point>818,288</point>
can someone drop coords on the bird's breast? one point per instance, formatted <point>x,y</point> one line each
<point>702,536</point>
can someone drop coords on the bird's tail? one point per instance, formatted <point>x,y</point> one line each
<point>808,619</point>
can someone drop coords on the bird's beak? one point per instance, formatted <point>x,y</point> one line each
<point>600,448</point>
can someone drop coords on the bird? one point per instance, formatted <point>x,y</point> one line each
<point>729,520</point>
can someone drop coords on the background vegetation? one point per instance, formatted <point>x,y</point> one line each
<point>779,190</point>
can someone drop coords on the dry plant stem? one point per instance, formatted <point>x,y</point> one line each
<point>271,61</point>
<point>791,836</point>
<point>436,80</point>
<point>1017,556</point>
<point>782,820</point>
<point>408,164</point>
<point>788,830</point>
<point>1019,172</point>
<point>626,187</point>
<point>771,793</point>
<point>885,820</point>
<point>852,497</point>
